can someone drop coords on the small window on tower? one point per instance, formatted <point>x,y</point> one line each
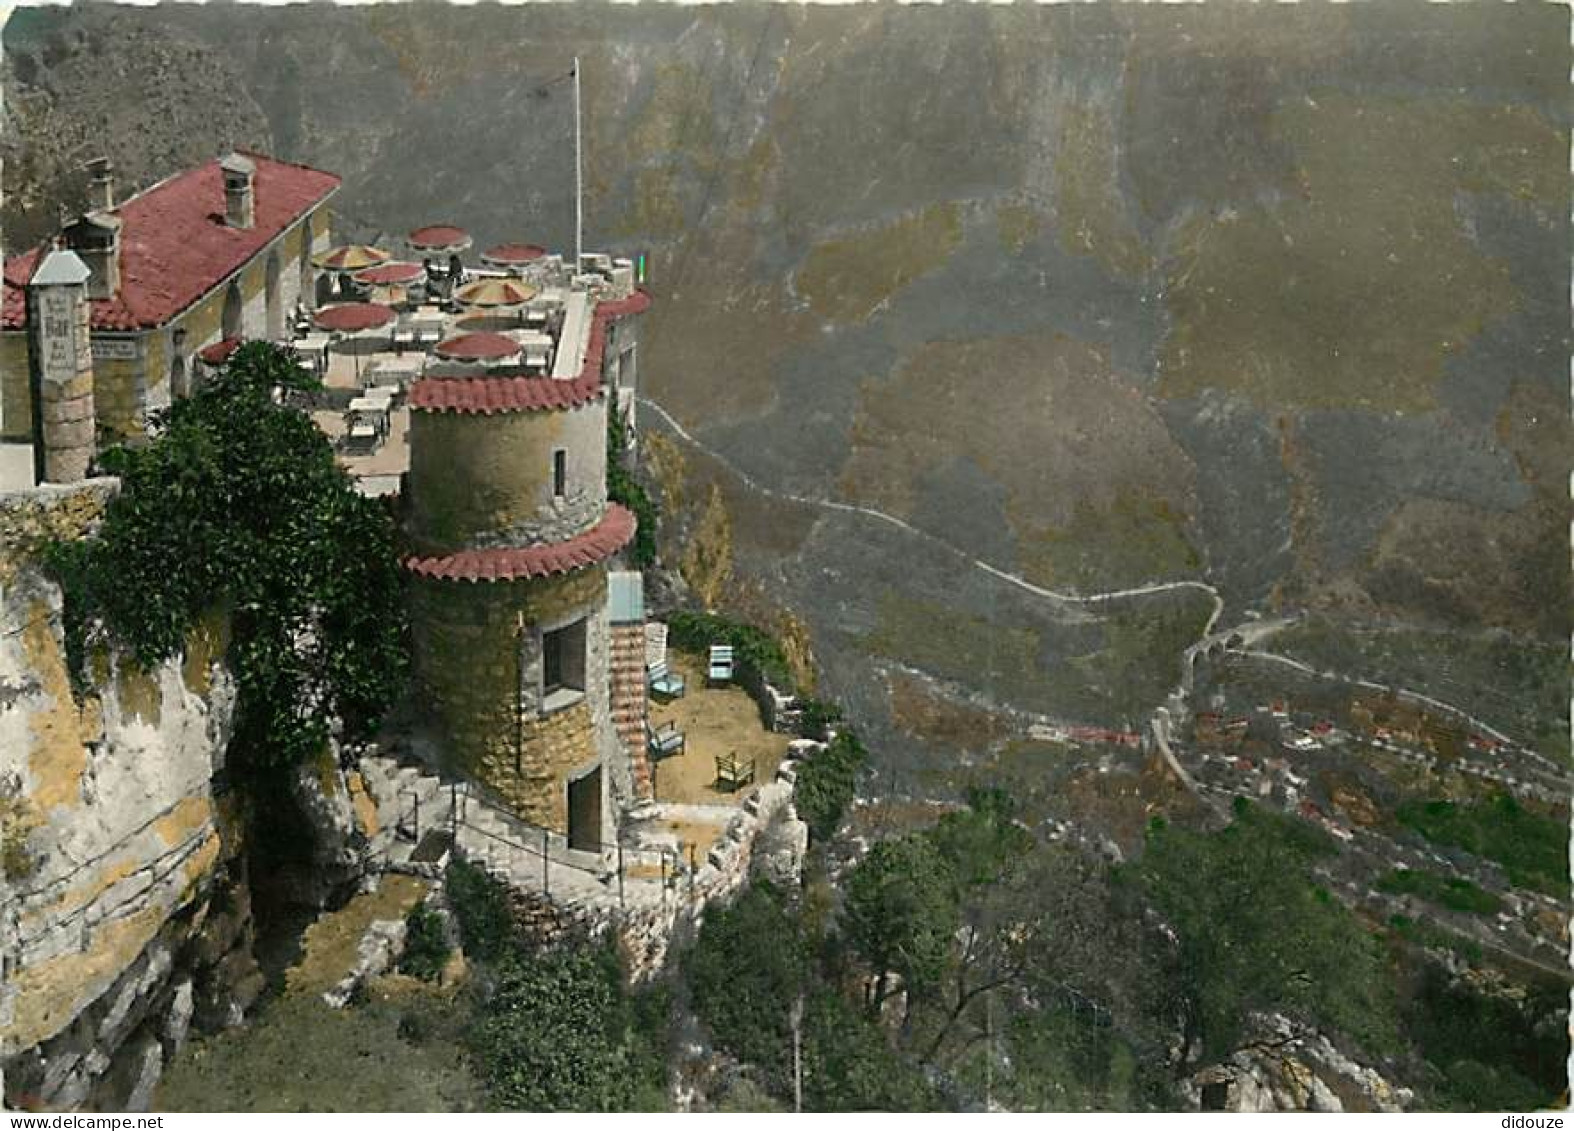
<point>562,667</point>
<point>559,473</point>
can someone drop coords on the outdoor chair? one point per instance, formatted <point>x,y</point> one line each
<point>733,772</point>
<point>720,671</point>
<point>664,741</point>
<point>665,682</point>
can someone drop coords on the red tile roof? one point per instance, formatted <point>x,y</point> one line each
<point>597,544</point>
<point>175,246</point>
<point>488,395</point>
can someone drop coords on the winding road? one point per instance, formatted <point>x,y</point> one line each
<point>1249,631</point>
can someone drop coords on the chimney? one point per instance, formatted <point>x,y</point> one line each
<point>240,205</point>
<point>96,239</point>
<point>101,185</point>
<point>57,325</point>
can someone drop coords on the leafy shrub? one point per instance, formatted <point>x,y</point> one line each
<point>558,1034</point>
<point>826,784</point>
<point>849,1066</point>
<point>695,632</point>
<point>1451,892</point>
<point>624,488</point>
<point>426,948</point>
<point>486,923</point>
<point>816,718</point>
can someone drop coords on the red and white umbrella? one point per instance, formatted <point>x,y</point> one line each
<point>438,239</point>
<point>511,256</point>
<point>351,257</point>
<point>482,346</point>
<point>496,294</point>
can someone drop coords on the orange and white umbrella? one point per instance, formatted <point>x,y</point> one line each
<point>351,257</point>
<point>496,294</point>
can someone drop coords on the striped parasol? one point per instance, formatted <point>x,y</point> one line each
<point>351,257</point>
<point>496,294</point>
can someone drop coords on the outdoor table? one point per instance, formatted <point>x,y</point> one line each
<point>313,347</point>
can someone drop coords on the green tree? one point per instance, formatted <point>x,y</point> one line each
<point>848,1066</point>
<point>623,487</point>
<point>239,505</point>
<point>748,966</point>
<point>1256,933</point>
<point>901,916</point>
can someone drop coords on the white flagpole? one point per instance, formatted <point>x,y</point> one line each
<point>579,184</point>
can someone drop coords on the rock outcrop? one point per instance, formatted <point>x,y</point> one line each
<point>125,912</point>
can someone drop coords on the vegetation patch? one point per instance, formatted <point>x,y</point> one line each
<point>847,279</point>
<point>1532,849</point>
<point>426,949</point>
<point>827,782</point>
<point>623,487</point>
<point>1451,892</point>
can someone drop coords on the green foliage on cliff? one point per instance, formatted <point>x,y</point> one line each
<point>696,632</point>
<point>748,966</point>
<point>426,948</point>
<point>1447,891</point>
<point>901,915</point>
<point>826,784</point>
<point>624,488</point>
<point>238,503</point>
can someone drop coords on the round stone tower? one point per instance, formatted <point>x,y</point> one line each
<point>512,534</point>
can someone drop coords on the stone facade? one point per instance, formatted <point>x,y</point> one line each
<point>478,648</point>
<point>488,480</point>
<point>116,843</point>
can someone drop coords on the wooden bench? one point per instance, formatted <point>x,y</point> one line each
<point>732,772</point>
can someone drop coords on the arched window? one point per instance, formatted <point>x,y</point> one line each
<point>232,310</point>
<point>274,303</point>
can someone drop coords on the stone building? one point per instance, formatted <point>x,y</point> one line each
<point>513,538</point>
<point>218,252</point>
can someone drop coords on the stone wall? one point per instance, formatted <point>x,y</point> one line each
<point>123,909</point>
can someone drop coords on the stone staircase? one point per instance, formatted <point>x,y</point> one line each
<point>630,705</point>
<point>423,820</point>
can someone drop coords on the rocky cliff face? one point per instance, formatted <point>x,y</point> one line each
<point>126,918</point>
